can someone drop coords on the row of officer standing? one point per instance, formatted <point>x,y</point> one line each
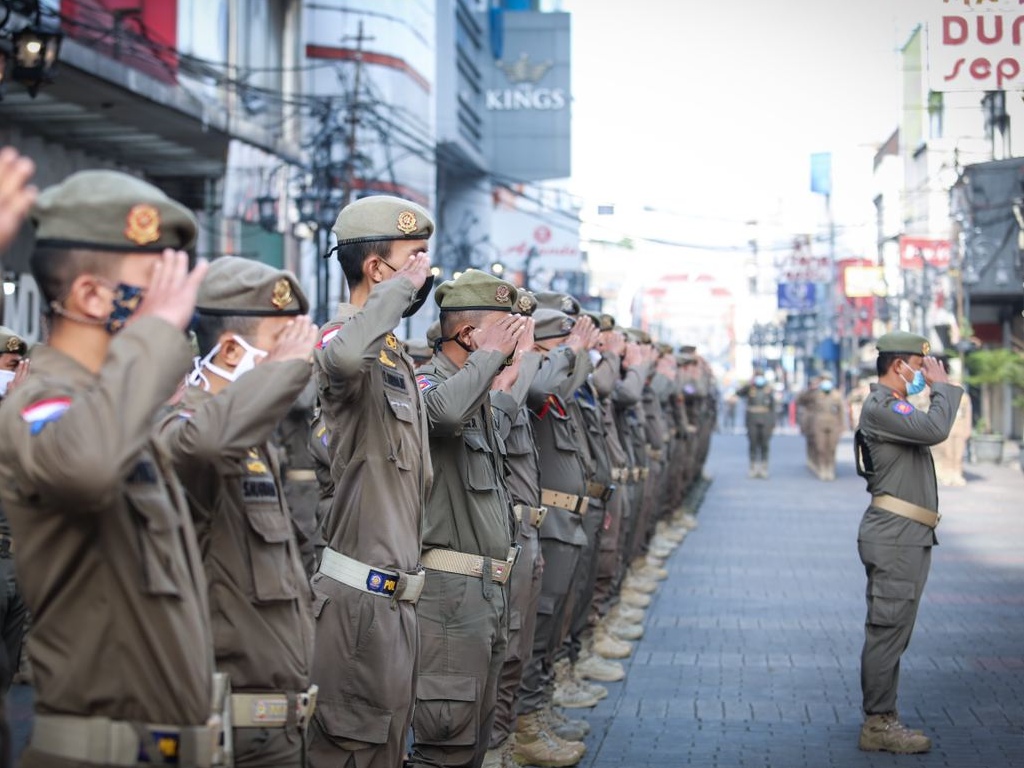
<point>490,523</point>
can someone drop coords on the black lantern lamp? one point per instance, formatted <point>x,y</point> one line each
<point>267,211</point>
<point>307,205</point>
<point>36,52</point>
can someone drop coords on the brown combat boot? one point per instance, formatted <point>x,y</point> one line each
<point>885,733</point>
<point>536,746</point>
<point>564,728</point>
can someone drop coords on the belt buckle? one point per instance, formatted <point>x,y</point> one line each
<point>381,582</point>
<point>513,554</point>
<point>608,491</point>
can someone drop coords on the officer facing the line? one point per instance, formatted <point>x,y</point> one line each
<point>897,532</point>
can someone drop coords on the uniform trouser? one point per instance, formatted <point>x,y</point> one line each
<point>647,521</point>
<point>524,596</point>
<point>13,615</point>
<point>825,442</point>
<point>631,492</point>
<point>896,579</point>
<point>581,613</point>
<point>608,552</point>
<point>560,561</point>
<point>637,543</point>
<point>364,662</point>
<point>463,638</point>
<point>759,435</point>
<point>268,747</point>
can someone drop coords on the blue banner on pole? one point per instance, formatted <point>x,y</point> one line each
<point>799,296</point>
<point>821,173</point>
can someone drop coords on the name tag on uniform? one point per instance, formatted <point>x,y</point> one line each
<point>258,489</point>
<point>394,380</point>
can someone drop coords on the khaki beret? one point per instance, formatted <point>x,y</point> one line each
<point>10,342</point>
<point>905,343</point>
<point>563,302</point>
<point>666,349</point>
<point>526,303</point>
<point>637,336</point>
<point>434,332</point>
<point>111,211</point>
<point>237,286</point>
<point>551,324</point>
<point>419,350</point>
<point>382,217</point>
<point>476,290</point>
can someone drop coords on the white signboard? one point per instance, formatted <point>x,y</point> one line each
<point>976,46</point>
<point>520,237</point>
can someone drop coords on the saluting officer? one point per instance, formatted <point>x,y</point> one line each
<point>256,343</point>
<point>897,531</point>
<point>468,538</point>
<point>374,429</point>
<point>12,608</point>
<point>107,560</point>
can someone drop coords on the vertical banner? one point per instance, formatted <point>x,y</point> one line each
<point>821,173</point>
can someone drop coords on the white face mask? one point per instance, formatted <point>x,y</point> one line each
<point>247,363</point>
<point>6,377</point>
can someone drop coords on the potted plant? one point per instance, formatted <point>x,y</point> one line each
<point>987,369</point>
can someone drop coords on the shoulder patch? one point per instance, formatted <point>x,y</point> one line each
<point>42,412</point>
<point>326,337</point>
<point>423,383</point>
<point>903,408</point>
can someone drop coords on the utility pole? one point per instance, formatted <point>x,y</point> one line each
<point>353,119</point>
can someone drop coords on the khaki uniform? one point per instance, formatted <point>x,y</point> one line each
<point>949,454</point>
<point>463,618</point>
<point>628,412</point>
<point>107,556</point>
<point>367,637</point>
<point>760,421</point>
<point>824,427</point>
<point>562,535</point>
<point>523,468</point>
<point>260,600</point>
<point>896,550</point>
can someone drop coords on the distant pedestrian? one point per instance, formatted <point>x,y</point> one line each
<point>760,399</point>
<point>897,531</point>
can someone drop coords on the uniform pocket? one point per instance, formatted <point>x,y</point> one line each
<point>446,710</point>
<point>890,602</point>
<point>564,433</point>
<point>352,724</point>
<point>479,462</point>
<point>159,539</point>
<point>273,573</point>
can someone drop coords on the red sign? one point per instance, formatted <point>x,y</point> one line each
<point>915,251</point>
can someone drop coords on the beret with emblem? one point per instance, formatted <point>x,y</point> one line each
<point>10,342</point>
<point>382,217</point>
<point>901,342</point>
<point>475,289</point>
<point>637,336</point>
<point>563,302</point>
<point>526,303</point>
<point>551,324</point>
<point>236,286</point>
<point>687,353</point>
<point>111,211</point>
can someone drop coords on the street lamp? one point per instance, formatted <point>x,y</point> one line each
<point>36,51</point>
<point>267,211</point>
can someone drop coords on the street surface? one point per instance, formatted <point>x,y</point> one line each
<point>751,656</point>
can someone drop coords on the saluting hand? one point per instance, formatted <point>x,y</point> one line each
<point>416,269</point>
<point>295,341</point>
<point>501,336</point>
<point>582,334</point>
<point>612,341</point>
<point>933,371</point>
<point>16,194</point>
<point>172,290</point>
<point>20,374</point>
<point>633,356</point>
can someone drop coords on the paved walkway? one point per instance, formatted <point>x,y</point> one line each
<point>751,656</point>
<point>752,647</point>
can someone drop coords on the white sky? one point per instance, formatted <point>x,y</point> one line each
<point>712,108</point>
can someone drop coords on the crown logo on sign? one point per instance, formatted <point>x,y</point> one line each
<point>522,71</point>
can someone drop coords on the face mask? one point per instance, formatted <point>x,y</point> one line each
<point>917,384</point>
<point>825,386</point>
<point>421,296</point>
<point>246,364</point>
<point>456,339</point>
<point>6,377</point>
<point>760,381</point>
<point>126,302</point>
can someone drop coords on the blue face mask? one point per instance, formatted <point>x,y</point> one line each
<point>825,386</point>
<point>917,384</point>
<point>759,381</point>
